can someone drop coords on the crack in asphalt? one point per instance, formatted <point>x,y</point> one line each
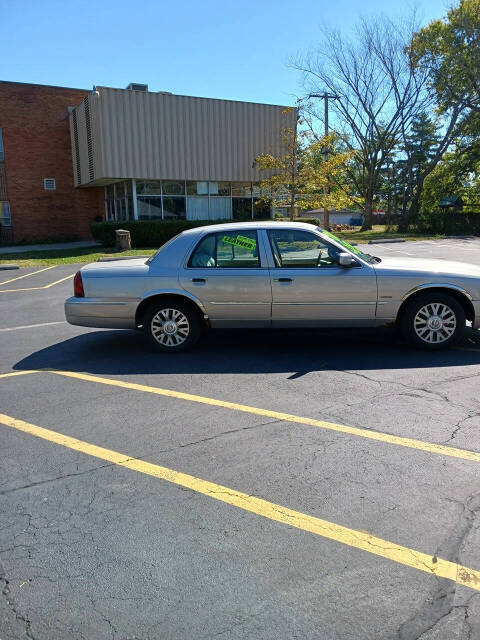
<point>440,604</point>
<point>139,457</point>
<point>459,425</point>
<point>6,592</point>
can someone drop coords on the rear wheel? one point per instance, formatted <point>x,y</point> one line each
<point>433,321</point>
<point>172,326</point>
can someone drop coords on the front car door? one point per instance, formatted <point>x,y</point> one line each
<point>228,272</point>
<point>309,288</point>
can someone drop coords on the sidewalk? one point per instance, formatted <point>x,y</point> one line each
<point>57,246</point>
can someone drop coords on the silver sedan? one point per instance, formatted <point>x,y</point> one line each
<point>272,274</point>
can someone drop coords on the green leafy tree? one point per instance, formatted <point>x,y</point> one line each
<point>299,176</point>
<point>376,94</point>
<point>458,174</point>
<point>416,155</point>
<point>449,48</point>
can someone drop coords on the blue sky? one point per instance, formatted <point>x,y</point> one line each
<point>229,49</point>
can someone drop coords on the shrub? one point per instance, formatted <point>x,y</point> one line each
<point>449,222</point>
<point>144,233</point>
<point>314,221</point>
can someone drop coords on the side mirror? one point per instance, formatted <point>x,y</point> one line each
<point>345,260</point>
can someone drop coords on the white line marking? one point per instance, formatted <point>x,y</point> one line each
<point>31,326</point>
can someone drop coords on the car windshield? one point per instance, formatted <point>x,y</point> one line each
<point>364,256</point>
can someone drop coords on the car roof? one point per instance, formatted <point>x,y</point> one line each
<point>263,224</point>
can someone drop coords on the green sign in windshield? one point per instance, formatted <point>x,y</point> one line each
<point>342,242</point>
<point>365,256</point>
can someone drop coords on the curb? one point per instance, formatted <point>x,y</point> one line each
<point>108,259</point>
<point>459,237</point>
<point>8,267</point>
<point>385,240</point>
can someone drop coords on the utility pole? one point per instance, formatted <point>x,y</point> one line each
<point>325,96</point>
<point>326,213</point>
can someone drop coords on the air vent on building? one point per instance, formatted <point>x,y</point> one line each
<point>76,148</point>
<point>88,129</point>
<point>135,86</point>
<point>49,184</point>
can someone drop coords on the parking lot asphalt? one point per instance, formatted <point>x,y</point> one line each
<point>268,485</point>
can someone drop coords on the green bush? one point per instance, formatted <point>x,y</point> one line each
<point>314,221</point>
<point>144,233</point>
<point>449,223</point>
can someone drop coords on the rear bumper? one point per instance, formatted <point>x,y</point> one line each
<point>103,314</point>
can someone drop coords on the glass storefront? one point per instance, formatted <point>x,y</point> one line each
<point>119,201</point>
<point>187,200</point>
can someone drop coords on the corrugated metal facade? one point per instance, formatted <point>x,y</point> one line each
<point>125,134</point>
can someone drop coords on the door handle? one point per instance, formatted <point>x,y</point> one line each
<point>283,280</point>
<point>199,280</point>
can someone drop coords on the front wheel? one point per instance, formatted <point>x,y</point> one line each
<point>433,321</point>
<point>172,326</point>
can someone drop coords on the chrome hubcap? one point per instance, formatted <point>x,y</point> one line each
<point>170,327</point>
<point>435,323</point>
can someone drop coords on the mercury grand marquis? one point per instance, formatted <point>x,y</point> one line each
<point>273,274</point>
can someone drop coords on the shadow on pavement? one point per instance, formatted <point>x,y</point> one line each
<point>286,351</point>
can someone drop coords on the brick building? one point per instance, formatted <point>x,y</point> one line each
<point>72,156</point>
<point>38,199</point>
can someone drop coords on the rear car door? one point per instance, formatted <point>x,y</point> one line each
<point>227,271</point>
<point>309,288</point>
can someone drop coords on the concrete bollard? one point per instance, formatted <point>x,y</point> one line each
<point>122,240</point>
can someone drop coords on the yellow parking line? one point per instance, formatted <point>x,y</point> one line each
<point>47,286</point>
<point>26,275</point>
<point>278,513</point>
<point>17,373</point>
<point>429,447</point>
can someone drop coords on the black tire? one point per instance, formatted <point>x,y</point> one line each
<point>420,319</point>
<point>172,325</point>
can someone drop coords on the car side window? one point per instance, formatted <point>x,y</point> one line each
<point>227,250</point>
<point>301,249</point>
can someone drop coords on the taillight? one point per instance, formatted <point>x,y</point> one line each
<point>78,291</point>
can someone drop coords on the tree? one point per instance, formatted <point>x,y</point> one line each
<point>377,95</point>
<point>418,150</point>
<point>298,176</point>
<point>450,50</point>
<point>457,174</point>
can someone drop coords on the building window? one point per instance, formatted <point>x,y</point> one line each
<point>219,188</point>
<point>242,189</point>
<point>148,188</point>
<point>173,187</point>
<point>174,208</point>
<point>49,184</point>
<point>149,207</point>
<point>205,200</point>
<point>5,218</point>
<point>242,208</point>
<point>197,188</point>
<point>261,210</point>
<point>119,201</point>
<point>2,155</point>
